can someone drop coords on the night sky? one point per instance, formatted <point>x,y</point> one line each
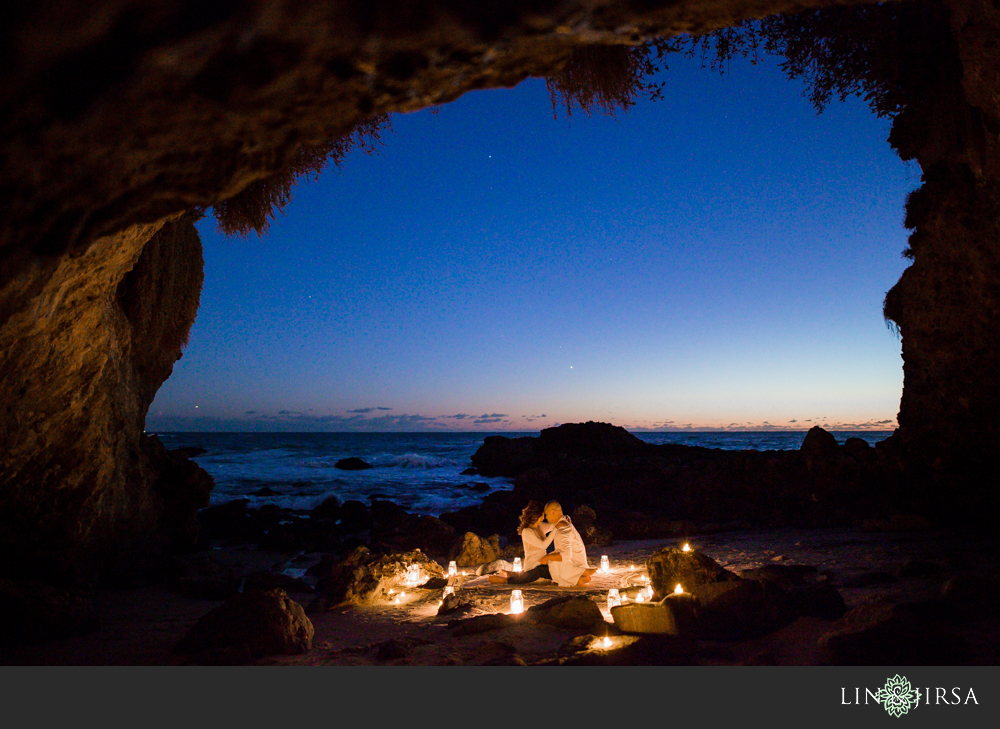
<point>714,259</point>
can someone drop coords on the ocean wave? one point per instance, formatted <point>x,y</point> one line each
<point>412,460</point>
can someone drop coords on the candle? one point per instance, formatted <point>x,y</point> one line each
<point>638,598</point>
<point>613,598</point>
<point>647,592</point>
<point>632,567</point>
<point>678,590</point>
<point>687,547</point>
<point>605,564</point>
<point>516,602</point>
<point>413,575</point>
<point>607,642</point>
<point>452,569</point>
<point>517,564</point>
<point>397,601</point>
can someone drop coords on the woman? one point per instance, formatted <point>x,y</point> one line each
<point>536,536</point>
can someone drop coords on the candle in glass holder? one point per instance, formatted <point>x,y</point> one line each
<point>678,590</point>
<point>452,568</point>
<point>516,602</point>
<point>613,598</point>
<point>687,547</point>
<point>607,642</point>
<point>605,564</point>
<point>517,564</point>
<point>639,597</point>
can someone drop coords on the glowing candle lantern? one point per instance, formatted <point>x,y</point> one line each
<point>647,592</point>
<point>678,590</point>
<point>517,564</point>
<point>397,601</point>
<point>639,597</point>
<point>687,547</point>
<point>606,642</point>
<point>632,567</point>
<point>452,569</point>
<point>413,574</point>
<point>605,564</point>
<point>516,602</point>
<point>613,598</point>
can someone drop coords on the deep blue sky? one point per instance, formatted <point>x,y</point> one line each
<point>714,259</point>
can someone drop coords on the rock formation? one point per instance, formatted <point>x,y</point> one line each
<point>81,489</point>
<point>118,118</point>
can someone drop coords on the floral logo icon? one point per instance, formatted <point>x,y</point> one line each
<point>898,697</point>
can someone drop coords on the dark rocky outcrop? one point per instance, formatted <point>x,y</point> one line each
<point>573,612</point>
<point>472,550</point>
<point>362,578</point>
<point>351,464</point>
<point>671,567</point>
<point>258,623</point>
<point>82,491</point>
<point>881,632</point>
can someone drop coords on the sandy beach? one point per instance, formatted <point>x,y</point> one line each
<point>141,625</point>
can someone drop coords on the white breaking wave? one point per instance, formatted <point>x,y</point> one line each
<point>412,460</point>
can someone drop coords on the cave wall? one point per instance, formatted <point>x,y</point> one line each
<point>947,303</point>
<point>79,367</point>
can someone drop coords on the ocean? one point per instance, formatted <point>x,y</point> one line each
<point>419,471</point>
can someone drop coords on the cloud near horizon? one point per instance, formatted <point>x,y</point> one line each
<point>362,420</point>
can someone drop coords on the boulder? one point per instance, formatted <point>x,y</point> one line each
<point>328,508</point>
<point>741,609</point>
<point>585,521</point>
<point>503,456</point>
<point>472,550</point>
<point>482,624</point>
<point>189,451</point>
<point>432,535</point>
<point>262,623</point>
<point>574,612</point>
<point>351,464</point>
<point>31,612</point>
<point>362,578</point>
<point>672,566</point>
<point>819,447</point>
<point>784,575</point>
<point>354,516</point>
<point>879,632</point>
<point>858,448</point>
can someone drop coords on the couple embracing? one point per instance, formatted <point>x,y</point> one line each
<point>540,527</point>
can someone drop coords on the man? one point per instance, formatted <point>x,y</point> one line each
<point>568,563</point>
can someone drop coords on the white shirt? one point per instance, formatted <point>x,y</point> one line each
<point>534,545</point>
<point>569,544</point>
